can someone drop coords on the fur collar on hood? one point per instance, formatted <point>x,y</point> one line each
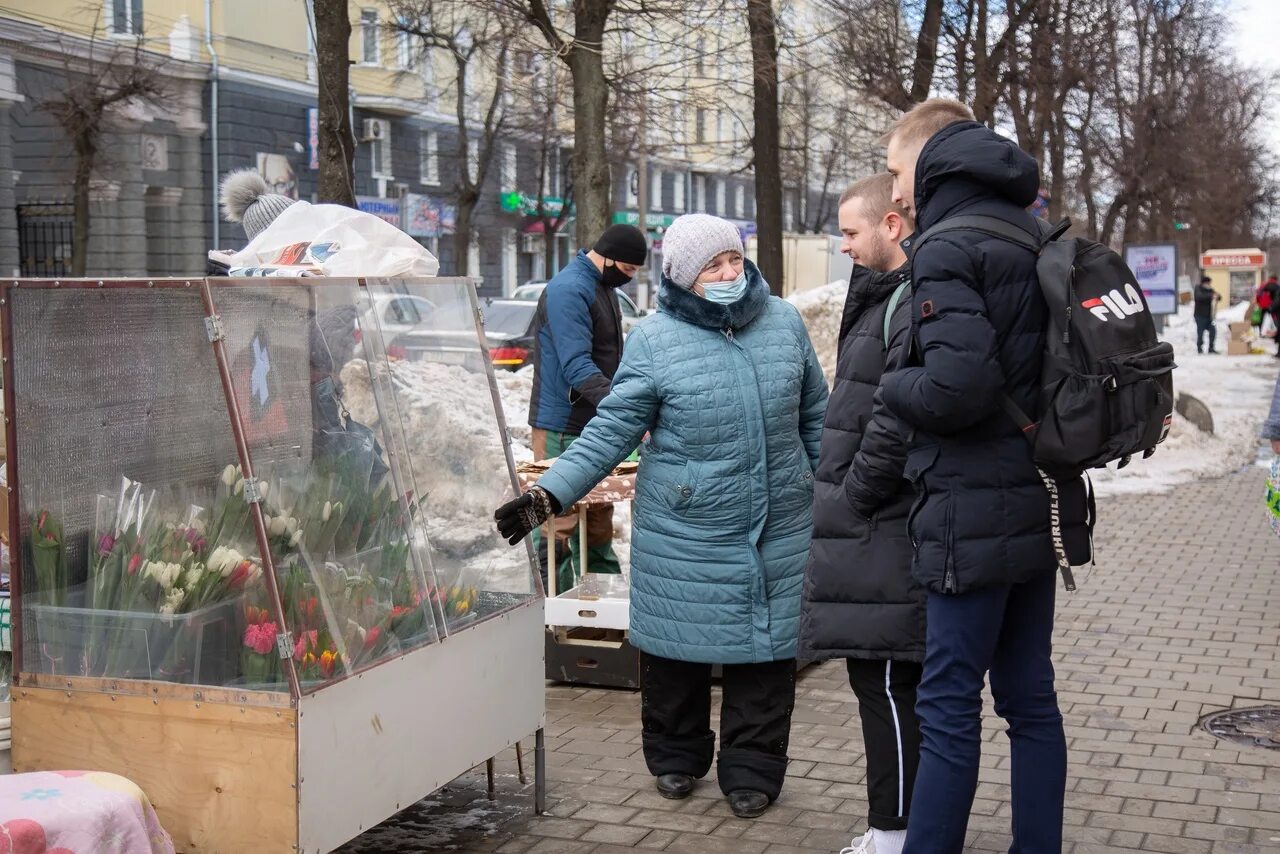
<point>691,308</point>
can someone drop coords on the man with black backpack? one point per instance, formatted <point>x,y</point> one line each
<point>987,536</point>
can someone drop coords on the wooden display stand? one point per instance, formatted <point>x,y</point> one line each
<point>233,771</point>
<point>307,766</point>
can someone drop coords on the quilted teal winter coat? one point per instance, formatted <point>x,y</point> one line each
<point>733,400</point>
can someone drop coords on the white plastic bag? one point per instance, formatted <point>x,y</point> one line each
<point>333,240</point>
<point>1268,329</point>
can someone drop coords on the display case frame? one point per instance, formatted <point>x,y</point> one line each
<point>306,768</point>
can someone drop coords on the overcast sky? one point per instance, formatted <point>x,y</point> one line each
<point>1257,41</point>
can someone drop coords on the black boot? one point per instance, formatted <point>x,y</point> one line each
<point>748,804</point>
<point>674,786</point>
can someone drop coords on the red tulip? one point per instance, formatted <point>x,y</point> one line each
<point>134,563</point>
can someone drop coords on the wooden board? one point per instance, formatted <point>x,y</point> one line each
<point>222,777</point>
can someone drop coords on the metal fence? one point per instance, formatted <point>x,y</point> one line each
<point>44,239</point>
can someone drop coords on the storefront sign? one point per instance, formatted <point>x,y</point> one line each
<point>1155,266</point>
<point>1233,259</point>
<point>428,217</point>
<point>387,210</point>
<point>516,202</point>
<point>651,219</point>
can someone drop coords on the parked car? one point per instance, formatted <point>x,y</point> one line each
<point>508,330</point>
<point>631,313</point>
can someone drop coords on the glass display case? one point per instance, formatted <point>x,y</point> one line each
<point>254,518</point>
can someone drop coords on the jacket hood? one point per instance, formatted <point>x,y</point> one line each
<point>685,305</point>
<point>869,288</point>
<point>966,161</point>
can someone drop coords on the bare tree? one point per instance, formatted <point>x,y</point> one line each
<point>115,79</point>
<point>337,142</point>
<point>477,40</point>
<point>766,141</point>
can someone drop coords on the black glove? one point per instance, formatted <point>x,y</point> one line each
<point>517,518</point>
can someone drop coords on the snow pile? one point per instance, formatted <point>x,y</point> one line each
<point>821,309</point>
<point>456,460</point>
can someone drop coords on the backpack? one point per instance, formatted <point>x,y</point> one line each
<point>1106,388</point>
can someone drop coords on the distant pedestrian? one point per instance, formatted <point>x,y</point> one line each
<point>725,382</point>
<point>1206,300</point>
<point>1268,298</point>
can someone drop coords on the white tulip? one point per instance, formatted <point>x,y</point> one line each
<point>229,476</point>
<point>278,526</point>
<point>193,575</point>
<point>239,488</point>
<point>290,525</point>
<point>327,512</point>
<point>263,488</point>
<point>296,538</point>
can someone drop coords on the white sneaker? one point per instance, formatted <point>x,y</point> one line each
<point>864,844</point>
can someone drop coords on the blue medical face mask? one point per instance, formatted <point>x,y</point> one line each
<point>726,293</point>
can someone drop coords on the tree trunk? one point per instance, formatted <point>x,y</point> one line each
<point>462,235</point>
<point>337,144</point>
<point>590,113</point>
<point>86,152</point>
<point>767,142</point>
<point>926,51</point>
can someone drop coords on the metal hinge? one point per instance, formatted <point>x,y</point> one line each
<point>213,327</point>
<point>284,644</point>
<point>252,492</point>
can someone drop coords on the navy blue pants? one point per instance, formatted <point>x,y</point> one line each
<point>1204,326</point>
<point>1005,631</point>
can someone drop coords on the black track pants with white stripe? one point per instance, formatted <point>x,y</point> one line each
<point>886,692</point>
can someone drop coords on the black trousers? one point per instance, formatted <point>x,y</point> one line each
<point>886,692</point>
<point>755,721</point>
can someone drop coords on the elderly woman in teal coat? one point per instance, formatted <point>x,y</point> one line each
<point>724,381</point>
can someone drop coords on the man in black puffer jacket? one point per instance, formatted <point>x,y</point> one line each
<point>859,601</point>
<point>981,523</point>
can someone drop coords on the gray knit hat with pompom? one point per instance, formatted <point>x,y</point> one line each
<point>692,241</point>
<point>247,199</point>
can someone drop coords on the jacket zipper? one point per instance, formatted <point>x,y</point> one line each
<point>728,333</point>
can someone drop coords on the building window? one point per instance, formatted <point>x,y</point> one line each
<point>369,36</point>
<point>677,195</point>
<point>701,59</point>
<point>720,209</point>
<point>721,133</point>
<point>508,179</point>
<point>126,17</point>
<point>406,50</point>
<point>380,148</point>
<point>699,193</point>
<point>700,129</point>
<point>740,201</point>
<point>633,187</point>
<point>429,157</point>
<point>655,190</point>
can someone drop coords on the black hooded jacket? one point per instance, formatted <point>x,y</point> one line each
<point>859,600</point>
<point>983,513</point>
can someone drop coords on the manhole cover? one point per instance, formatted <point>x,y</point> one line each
<point>1256,727</point>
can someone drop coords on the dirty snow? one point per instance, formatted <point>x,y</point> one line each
<point>1237,390</point>
<point>457,464</point>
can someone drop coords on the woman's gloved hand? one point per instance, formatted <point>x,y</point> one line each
<point>517,518</point>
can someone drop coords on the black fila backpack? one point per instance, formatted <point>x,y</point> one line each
<point>1106,390</point>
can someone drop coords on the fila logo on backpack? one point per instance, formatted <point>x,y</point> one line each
<point>1116,304</point>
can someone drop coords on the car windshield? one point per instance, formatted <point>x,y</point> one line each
<point>509,317</point>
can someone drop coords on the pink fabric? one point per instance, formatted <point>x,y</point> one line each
<point>77,812</point>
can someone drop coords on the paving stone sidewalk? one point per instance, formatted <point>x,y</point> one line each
<point>1180,618</point>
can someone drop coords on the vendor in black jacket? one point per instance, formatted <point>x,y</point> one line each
<point>859,600</point>
<point>982,524</point>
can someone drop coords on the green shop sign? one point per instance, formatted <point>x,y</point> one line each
<point>516,202</point>
<point>651,220</point>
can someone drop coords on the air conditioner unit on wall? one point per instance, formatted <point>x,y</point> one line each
<point>375,129</point>
<point>531,243</point>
